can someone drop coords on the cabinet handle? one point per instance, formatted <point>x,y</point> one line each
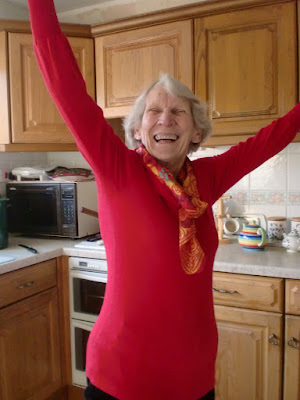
<point>293,342</point>
<point>25,285</point>
<point>273,339</point>
<point>224,291</point>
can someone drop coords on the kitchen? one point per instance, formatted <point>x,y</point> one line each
<point>271,190</point>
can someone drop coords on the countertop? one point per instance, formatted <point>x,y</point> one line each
<point>273,261</point>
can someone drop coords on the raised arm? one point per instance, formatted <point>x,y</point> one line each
<point>243,158</point>
<point>65,83</point>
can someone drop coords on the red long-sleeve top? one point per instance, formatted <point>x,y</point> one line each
<point>156,335</point>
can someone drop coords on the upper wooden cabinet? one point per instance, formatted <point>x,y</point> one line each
<point>128,62</point>
<point>246,68</point>
<point>29,115</point>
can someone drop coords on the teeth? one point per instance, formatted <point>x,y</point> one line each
<point>165,137</point>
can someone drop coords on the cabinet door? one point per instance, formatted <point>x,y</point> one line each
<point>30,348</point>
<point>128,62</point>
<point>246,68</point>
<point>248,364</point>
<point>34,116</point>
<point>292,358</point>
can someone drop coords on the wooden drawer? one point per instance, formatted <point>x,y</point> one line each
<point>292,296</point>
<point>246,291</point>
<point>27,281</point>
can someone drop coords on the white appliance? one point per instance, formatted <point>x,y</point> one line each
<point>88,279</point>
<point>34,172</point>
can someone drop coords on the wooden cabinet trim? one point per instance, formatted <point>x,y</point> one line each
<point>4,90</point>
<point>178,13</point>
<point>37,147</point>
<point>75,30</point>
<point>64,318</point>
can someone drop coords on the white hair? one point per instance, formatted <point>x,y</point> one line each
<point>199,110</point>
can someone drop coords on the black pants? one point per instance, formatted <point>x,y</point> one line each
<point>93,393</point>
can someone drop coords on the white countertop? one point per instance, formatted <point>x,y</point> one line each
<point>47,248</point>
<point>273,261</point>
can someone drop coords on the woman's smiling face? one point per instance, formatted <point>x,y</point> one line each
<point>167,128</point>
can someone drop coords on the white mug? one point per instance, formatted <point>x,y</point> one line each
<point>295,225</point>
<point>233,226</point>
<point>276,227</point>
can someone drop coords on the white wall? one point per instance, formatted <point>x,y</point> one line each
<point>272,189</point>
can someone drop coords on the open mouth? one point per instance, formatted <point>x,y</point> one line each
<point>163,138</point>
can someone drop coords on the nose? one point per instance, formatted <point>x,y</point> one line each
<point>166,118</point>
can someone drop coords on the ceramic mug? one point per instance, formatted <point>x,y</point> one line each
<point>295,225</point>
<point>233,226</point>
<point>277,226</point>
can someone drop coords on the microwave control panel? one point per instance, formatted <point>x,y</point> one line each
<point>68,212</point>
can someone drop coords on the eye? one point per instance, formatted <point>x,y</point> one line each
<point>179,111</point>
<point>153,110</point>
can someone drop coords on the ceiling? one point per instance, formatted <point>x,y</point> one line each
<point>92,11</point>
<point>64,5</point>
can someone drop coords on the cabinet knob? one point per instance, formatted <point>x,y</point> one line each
<point>273,339</point>
<point>25,285</point>
<point>293,342</point>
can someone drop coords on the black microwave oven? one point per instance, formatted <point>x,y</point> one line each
<point>52,208</point>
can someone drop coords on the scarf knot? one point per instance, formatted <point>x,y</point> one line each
<point>190,208</point>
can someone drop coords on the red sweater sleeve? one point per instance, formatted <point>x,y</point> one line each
<point>95,139</point>
<point>229,167</point>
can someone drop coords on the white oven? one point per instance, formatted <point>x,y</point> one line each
<point>88,279</point>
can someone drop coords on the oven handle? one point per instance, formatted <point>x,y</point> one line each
<point>82,324</point>
<point>89,276</point>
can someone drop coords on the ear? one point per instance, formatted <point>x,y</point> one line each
<point>137,134</point>
<point>197,137</point>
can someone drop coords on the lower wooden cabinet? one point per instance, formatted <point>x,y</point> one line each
<point>30,348</point>
<point>249,363</point>
<point>292,358</point>
<point>258,322</point>
<point>30,334</point>
<point>291,377</point>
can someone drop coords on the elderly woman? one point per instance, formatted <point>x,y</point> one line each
<point>156,336</point>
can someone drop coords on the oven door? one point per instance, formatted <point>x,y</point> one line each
<point>80,332</point>
<point>86,294</point>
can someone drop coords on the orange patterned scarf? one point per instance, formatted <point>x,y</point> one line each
<point>190,208</point>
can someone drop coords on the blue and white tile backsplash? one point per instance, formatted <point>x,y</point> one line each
<point>272,189</point>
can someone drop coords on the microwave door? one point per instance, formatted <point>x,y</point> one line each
<point>34,209</point>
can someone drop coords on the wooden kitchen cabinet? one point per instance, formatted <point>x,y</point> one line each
<point>246,68</point>
<point>248,366</point>
<point>250,353</point>
<point>128,62</point>
<point>29,118</point>
<point>30,366</point>
<point>292,341</point>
